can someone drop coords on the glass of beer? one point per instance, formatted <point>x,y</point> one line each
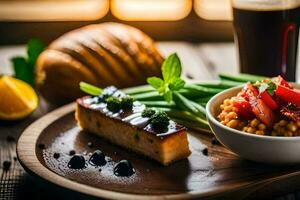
<point>266,34</point>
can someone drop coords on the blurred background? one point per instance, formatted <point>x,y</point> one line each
<point>200,31</point>
<point>189,20</point>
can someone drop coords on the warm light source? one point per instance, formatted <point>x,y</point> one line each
<point>151,10</point>
<point>213,9</point>
<point>53,10</point>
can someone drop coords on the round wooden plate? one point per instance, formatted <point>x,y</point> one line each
<point>200,175</point>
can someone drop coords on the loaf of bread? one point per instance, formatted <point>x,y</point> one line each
<point>101,54</point>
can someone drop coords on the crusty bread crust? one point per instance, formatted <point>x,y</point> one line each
<point>101,54</point>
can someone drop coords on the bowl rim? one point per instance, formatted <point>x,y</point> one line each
<point>213,119</point>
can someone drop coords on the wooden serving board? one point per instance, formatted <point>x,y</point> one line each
<point>221,173</point>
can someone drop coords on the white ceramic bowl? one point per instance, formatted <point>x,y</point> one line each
<point>265,149</point>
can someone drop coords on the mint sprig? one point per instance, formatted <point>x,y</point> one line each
<point>171,71</point>
<point>24,66</point>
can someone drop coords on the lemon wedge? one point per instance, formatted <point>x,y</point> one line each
<point>17,99</point>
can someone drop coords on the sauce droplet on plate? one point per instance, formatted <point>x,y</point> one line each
<point>97,158</point>
<point>77,162</point>
<point>123,168</point>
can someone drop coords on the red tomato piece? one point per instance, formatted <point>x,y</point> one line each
<point>267,99</point>
<point>246,88</point>
<point>280,81</point>
<point>262,111</point>
<point>243,108</point>
<point>259,108</point>
<point>288,95</point>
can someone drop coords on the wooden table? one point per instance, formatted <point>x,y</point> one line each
<point>200,61</point>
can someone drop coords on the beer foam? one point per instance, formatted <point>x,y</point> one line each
<point>266,5</point>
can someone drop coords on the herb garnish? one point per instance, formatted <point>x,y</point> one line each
<point>267,85</point>
<point>159,121</point>
<point>171,71</point>
<point>127,103</point>
<point>148,112</point>
<point>24,67</point>
<point>113,104</point>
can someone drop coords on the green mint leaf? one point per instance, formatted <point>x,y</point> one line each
<point>25,67</point>
<point>171,68</point>
<point>262,87</point>
<point>271,89</point>
<point>90,89</point>
<point>268,86</point>
<point>34,49</point>
<point>22,70</point>
<point>168,96</point>
<point>155,82</point>
<point>176,84</point>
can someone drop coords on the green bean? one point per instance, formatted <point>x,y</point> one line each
<point>186,116</point>
<point>186,105</point>
<point>203,100</point>
<point>199,107</point>
<point>183,115</point>
<point>192,125</point>
<point>138,89</point>
<point>201,89</point>
<point>219,85</point>
<point>159,104</point>
<point>90,89</point>
<point>192,94</point>
<point>241,77</point>
<point>147,96</point>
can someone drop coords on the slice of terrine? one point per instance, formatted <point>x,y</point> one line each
<point>114,116</point>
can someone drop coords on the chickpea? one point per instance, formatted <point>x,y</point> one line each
<point>251,130</point>
<point>262,126</point>
<point>254,123</point>
<point>292,127</point>
<point>221,116</point>
<point>233,123</point>
<point>226,120</point>
<point>283,123</point>
<point>276,126</point>
<point>232,115</point>
<point>228,108</point>
<point>288,133</point>
<point>222,106</point>
<point>259,132</point>
<point>226,102</point>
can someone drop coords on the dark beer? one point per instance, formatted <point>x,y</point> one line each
<point>267,36</point>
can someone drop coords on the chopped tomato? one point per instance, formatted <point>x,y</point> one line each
<point>280,81</point>
<point>267,99</point>
<point>248,87</point>
<point>288,95</point>
<point>262,111</point>
<point>259,108</point>
<point>243,108</point>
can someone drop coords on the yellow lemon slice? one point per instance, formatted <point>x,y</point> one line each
<point>17,99</point>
